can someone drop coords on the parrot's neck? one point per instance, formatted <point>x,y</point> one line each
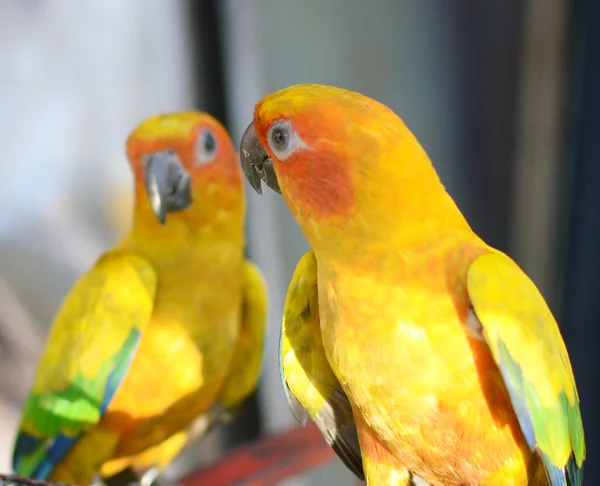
<point>385,224</point>
<point>387,200</point>
<point>208,234</point>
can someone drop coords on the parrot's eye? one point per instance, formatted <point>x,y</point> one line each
<point>206,147</point>
<point>280,138</point>
<point>283,140</point>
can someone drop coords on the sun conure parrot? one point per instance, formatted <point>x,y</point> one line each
<point>438,346</point>
<point>166,328</point>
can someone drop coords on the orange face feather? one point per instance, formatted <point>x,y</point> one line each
<point>319,178</point>
<point>187,133</point>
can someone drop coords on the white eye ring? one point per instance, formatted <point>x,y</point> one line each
<point>283,140</point>
<point>206,147</point>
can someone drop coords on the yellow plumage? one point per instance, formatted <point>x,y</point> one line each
<point>163,329</point>
<point>448,357</point>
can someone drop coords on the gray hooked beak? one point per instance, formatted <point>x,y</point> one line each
<point>167,183</point>
<point>256,163</point>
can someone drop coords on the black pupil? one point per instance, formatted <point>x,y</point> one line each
<point>209,143</point>
<point>280,137</point>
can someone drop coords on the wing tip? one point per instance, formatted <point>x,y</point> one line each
<point>349,459</point>
<point>570,475</point>
<point>574,472</point>
<point>25,445</point>
<point>33,458</point>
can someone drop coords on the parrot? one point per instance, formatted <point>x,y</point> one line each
<point>420,351</point>
<point>166,329</point>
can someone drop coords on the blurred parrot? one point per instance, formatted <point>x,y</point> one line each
<point>401,324</point>
<point>164,330</point>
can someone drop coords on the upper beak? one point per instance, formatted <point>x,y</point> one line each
<point>256,163</point>
<point>167,183</point>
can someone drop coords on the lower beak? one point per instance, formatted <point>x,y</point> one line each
<point>167,184</point>
<point>256,164</point>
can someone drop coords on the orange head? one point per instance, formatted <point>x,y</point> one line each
<point>184,165</point>
<point>347,166</point>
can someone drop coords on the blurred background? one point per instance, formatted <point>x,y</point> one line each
<point>503,95</point>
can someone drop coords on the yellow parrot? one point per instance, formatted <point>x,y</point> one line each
<point>164,330</point>
<point>401,324</point>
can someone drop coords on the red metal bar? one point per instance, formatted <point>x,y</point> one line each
<point>267,461</point>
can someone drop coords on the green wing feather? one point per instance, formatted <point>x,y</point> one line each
<point>527,346</point>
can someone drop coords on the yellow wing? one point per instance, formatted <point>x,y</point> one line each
<point>308,381</point>
<point>247,360</point>
<point>91,344</point>
<point>529,350</point>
